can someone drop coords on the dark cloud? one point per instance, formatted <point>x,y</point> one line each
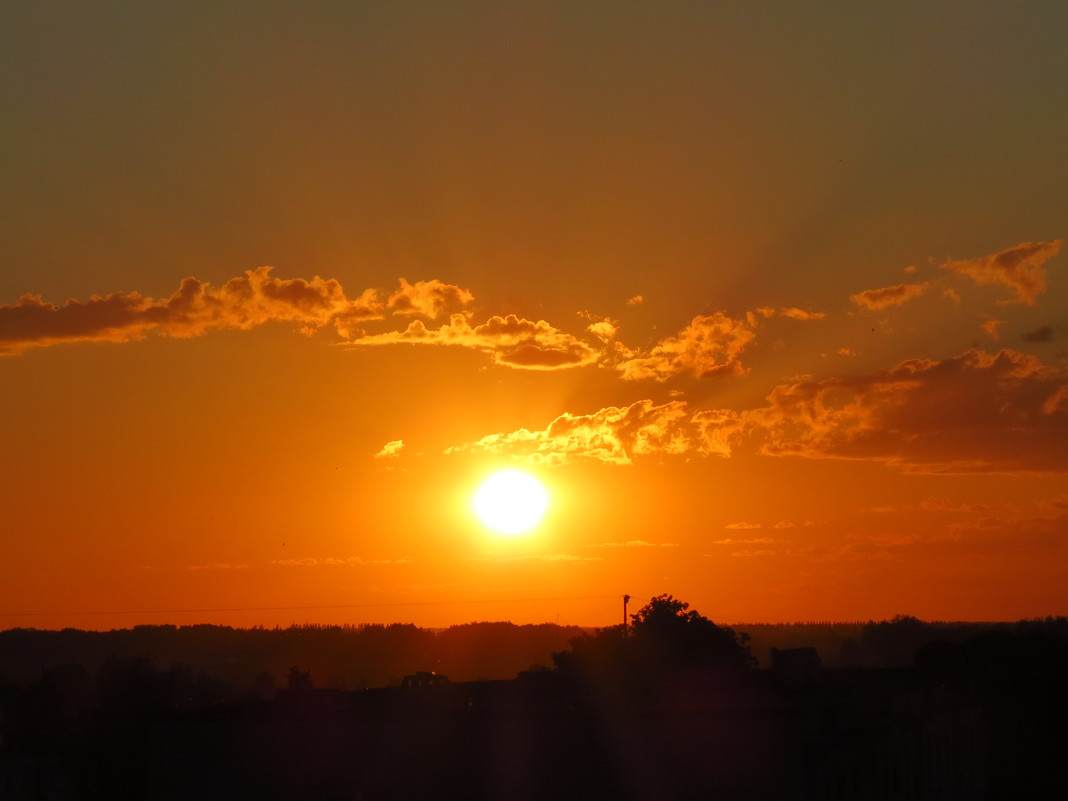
<point>1043,333</point>
<point>977,412</point>
<point>254,298</point>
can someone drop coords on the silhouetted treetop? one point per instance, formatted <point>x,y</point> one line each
<point>665,627</point>
<point>666,638</point>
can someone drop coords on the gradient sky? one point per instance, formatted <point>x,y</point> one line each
<point>771,296</point>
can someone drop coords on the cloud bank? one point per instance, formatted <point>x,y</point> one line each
<point>614,435</point>
<point>976,412</point>
<point>251,299</point>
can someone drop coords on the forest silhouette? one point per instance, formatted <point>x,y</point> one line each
<point>669,705</point>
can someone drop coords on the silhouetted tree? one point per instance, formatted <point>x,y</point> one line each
<point>48,712</point>
<point>666,641</point>
<point>674,636</point>
<point>298,679</point>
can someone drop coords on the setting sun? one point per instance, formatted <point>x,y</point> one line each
<point>510,502</point>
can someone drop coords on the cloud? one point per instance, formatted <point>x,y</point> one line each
<point>934,504</point>
<point>801,314</point>
<point>1043,333</point>
<point>991,328</point>
<point>251,299</point>
<point>604,330</point>
<point>390,449</point>
<point>635,544</point>
<point>511,341</point>
<point>1057,402</point>
<point>613,435</point>
<point>709,346</point>
<point>754,541</point>
<point>1019,268</point>
<point>311,561</point>
<point>977,412</point>
<point>637,300</point>
<point>1036,529</point>
<point>875,299</point>
<point>218,566</point>
<point>427,298</point>
<point>741,526</point>
<point>195,308</point>
<point>792,312</point>
<point>547,557</point>
<point>752,554</point>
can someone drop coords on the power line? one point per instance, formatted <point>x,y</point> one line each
<point>305,608</point>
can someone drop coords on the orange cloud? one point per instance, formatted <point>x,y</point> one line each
<point>427,298</point>
<point>933,504</point>
<point>512,341</point>
<point>801,314</point>
<point>637,300</point>
<point>972,413</point>
<point>390,449</point>
<point>604,330</point>
<point>991,328</point>
<point>635,544</point>
<point>249,300</point>
<point>1057,402</point>
<point>789,311</point>
<point>311,561</point>
<point>709,346</point>
<point>546,557</point>
<point>1037,529</point>
<point>614,435</point>
<point>1019,268</point>
<point>218,566</point>
<point>244,302</point>
<point>755,541</point>
<point>875,299</point>
<point>976,412</point>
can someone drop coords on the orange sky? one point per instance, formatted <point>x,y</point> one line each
<point>771,298</point>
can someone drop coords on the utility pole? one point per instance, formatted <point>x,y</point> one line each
<point>626,599</point>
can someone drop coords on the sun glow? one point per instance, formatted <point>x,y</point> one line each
<point>510,502</point>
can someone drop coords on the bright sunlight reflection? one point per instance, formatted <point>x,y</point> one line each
<point>510,502</point>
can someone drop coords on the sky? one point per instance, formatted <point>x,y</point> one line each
<point>772,297</point>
